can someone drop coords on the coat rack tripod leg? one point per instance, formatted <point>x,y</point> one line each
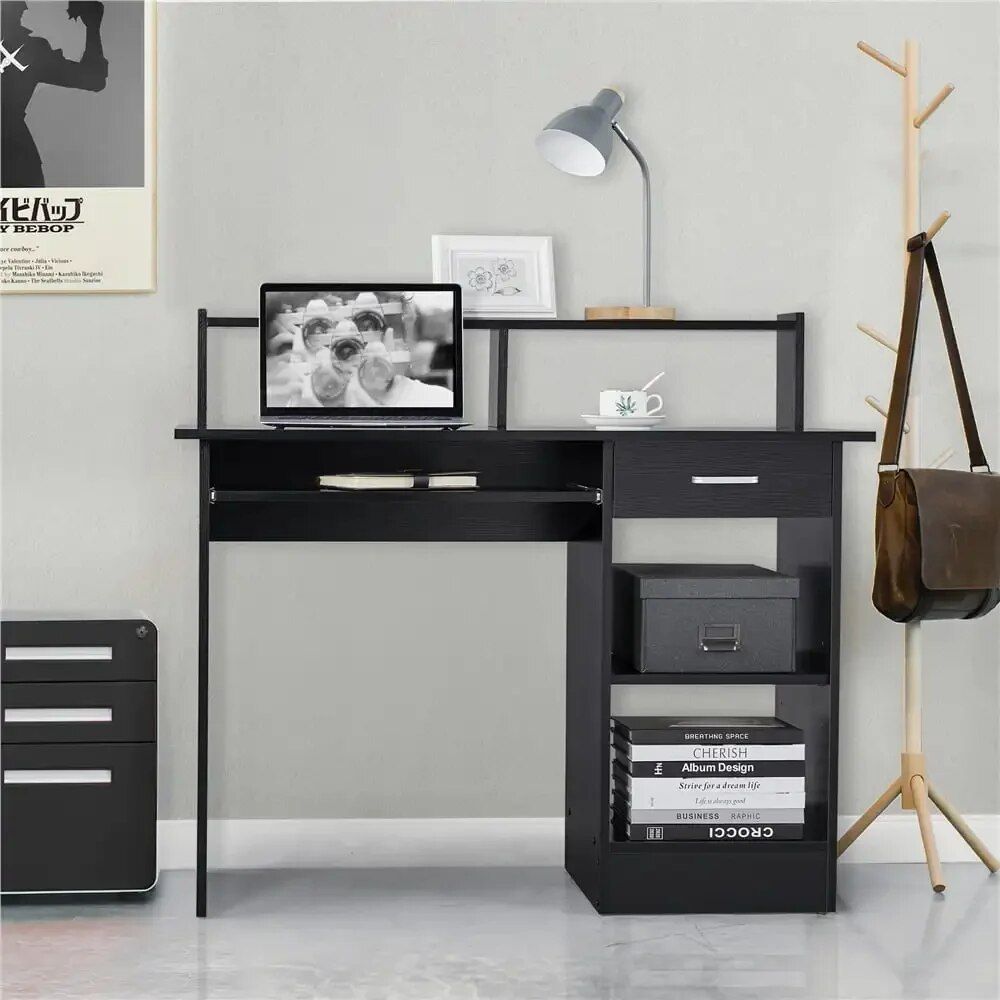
<point>911,785</point>
<point>964,830</point>
<point>918,791</point>
<point>871,814</point>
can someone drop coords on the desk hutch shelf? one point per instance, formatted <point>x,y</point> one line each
<point>569,485</point>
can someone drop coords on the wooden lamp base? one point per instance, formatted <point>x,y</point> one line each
<point>630,312</point>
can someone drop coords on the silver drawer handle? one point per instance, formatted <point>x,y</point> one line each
<point>719,638</point>
<point>725,480</point>
<point>57,715</point>
<point>57,653</point>
<point>69,776</point>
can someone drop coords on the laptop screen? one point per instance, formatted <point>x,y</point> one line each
<point>348,351</point>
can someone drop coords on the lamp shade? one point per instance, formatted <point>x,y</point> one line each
<point>579,141</point>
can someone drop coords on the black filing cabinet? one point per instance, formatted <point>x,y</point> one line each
<point>79,755</point>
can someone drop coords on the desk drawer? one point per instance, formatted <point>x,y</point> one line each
<point>722,479</point>
<point>79,818</point>
<point>119,650</point>
<point>119,712</point>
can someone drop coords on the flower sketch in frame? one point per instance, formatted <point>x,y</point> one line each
<point>506,269</point>
<point>480,280</point>
<point>513,278</point>
<point>502,276</point>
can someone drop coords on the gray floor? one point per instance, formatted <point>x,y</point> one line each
<point>503,933</point>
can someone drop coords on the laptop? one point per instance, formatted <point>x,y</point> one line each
<point>361,355</point>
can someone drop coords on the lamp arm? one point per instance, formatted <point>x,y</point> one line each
<point>646,224</point>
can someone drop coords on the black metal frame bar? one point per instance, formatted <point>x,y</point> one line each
<point>499,348</point>
<point>204,549</point>
<point>789,374</point>
<point>205,323</point>
<point>789,364</point>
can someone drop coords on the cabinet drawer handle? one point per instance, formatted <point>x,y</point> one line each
<point>725,480</point>
<point>57,715</point>
<point>57,653</point>
<point>68,776</point>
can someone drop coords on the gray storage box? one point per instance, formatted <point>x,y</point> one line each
<point>705,619</point>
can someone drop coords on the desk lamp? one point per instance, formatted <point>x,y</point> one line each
<point>579,141</point>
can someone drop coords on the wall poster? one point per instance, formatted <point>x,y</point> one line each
<point>77,146</point>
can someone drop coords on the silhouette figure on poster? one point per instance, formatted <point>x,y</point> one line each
<point>26,60</point>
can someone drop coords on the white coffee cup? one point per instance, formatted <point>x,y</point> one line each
<point>629,403</point>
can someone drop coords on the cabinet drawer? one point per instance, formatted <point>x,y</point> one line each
<point>722,479</point>
<point>79,818</point>
<point>119,712</point>
<point>119,650</point>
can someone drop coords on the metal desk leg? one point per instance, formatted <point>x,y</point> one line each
<point>204,486</point>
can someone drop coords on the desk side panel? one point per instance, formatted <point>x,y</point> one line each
<point>588,704</point>
<point>809,548</point>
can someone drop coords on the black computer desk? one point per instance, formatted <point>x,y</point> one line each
<point>558,484</point>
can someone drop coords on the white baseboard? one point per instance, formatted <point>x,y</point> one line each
<point>896,837</point>
<point>423,843</point>
<point>366,843</point>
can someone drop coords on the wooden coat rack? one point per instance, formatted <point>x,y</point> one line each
<point>912,783</point>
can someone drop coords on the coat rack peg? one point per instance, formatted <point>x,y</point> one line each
<point>879,338</point>
<point>880,409</point>
<point>935,227</point>
<point>883,59</point>
<point>935,102</point>
<point>942,458</point>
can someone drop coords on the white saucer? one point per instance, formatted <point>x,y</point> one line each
<point>606,423</point>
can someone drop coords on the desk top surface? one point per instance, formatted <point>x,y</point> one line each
<point>484,434</point>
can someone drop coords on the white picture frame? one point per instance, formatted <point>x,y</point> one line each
<point>509,277</point>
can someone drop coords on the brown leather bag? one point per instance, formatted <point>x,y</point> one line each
<point>937,532</point>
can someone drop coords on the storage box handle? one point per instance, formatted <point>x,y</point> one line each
<point>719,638</point>
<point>725,480</point>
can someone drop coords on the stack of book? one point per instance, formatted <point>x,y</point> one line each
<point>708,778</point>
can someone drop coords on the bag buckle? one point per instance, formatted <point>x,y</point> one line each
<point>982,468</point>
<point>888,468</point>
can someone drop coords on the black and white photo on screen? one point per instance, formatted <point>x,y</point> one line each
<point>359,350</point>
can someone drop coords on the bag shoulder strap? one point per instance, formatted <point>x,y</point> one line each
<point>977,457</point>
<point>921,249</point>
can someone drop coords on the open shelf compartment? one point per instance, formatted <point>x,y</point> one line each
<point>529,490</point>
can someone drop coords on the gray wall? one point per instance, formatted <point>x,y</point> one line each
<point>315,141</point>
